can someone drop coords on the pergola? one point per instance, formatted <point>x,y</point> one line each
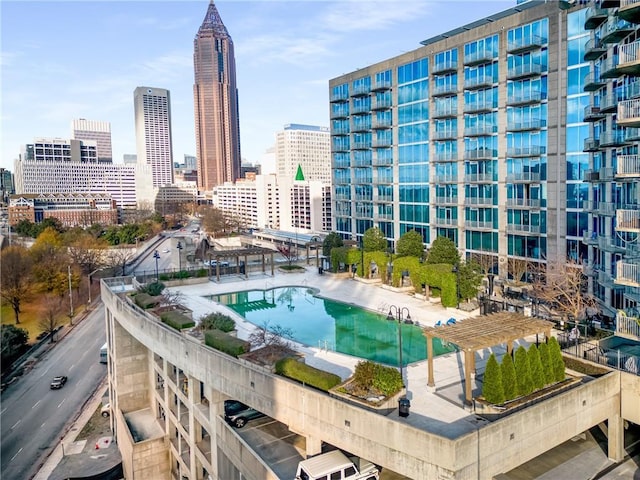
<point>478,333</point>
<point>241,253</point>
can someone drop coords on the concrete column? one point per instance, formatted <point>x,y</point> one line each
<point>431,381</point>
<point>616,438</point>
<point>314,446</point>
<point>467,376</point>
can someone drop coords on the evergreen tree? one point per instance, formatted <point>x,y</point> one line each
<point>492,384</point>
<point>523,372</point>
<point>410,245</point>
<point>535,365</point>
<point>545,359</point>
<point>557,362</point>
<point>333,240</point>
<point>509,383</point>
<point>373,240</point>
<point>443,250</point>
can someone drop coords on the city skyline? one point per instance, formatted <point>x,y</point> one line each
<point>286,52</point>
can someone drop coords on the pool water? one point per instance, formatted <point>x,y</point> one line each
<point>323,323</point>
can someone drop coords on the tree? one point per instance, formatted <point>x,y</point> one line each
<point>535,364</point>
<point>86,251</point>
<point>50,262</point>
<point>410,245</point>
<point>287,252</point>
<point>517,268</point>
<point>443,250</point>
<point>53,311</point>
<point>13,343</point>
<point>373,240</point>
<point>509,383</point>
<point>117,259</point>
<point>557,362</point>
<point>469,279</point>
<point>333,240</point>
<point>274,337</point>
<point>214,220</point>
<point>217,321</point>
<point>545,359</point>
<point>523,372</point>
<point>487,262</point>
<point>15,273</point>
<point>492,388</point>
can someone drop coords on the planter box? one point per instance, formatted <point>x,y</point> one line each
<point>383,406</point>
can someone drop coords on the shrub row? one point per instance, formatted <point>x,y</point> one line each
<point>226,343</point>
<point>177,320</point>
<point>291,368</point>
<point>532,370</point>
<point>217,321</point>
<point>144,300</point>
<point>386,380</point>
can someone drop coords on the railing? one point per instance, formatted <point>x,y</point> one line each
<point>532,124</point>
<point>628,220</point>
<point>628,273</point>
<point>445,178</point>
<point>628,109</point>
<point>479,81</point>
<point>523,177</point>
<point>528,97</point>
<point>479,224</point>
<point>444,134</point>
<point>578,346</point>
<point>513,228</point>
<point>446,222</point>
<point>481,56</point>
<point>478,201</point>
<point>478,177</point>
<point>444,66</point>
<point>524,70</point>
<point>628,165</point>
<point>445,156</point>
<point>531,150</point>
<point>629,53</point>
<point>480,130</point>
<point>529,41</point>
<point>523,202</point>
<point>628,324</point>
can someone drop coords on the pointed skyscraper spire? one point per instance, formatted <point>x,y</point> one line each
<point>212,21</point>
<point>299,174</point>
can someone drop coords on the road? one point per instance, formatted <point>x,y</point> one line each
<point>32,416</point>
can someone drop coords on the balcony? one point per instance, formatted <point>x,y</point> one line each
<point>628,323</point>
<point>340,131</point>
<point>363,180</point>
<point>380,123</point>
<point>478,225</point>
<point>381,160</point>
<point>480,130</point>
<point>475,83</point>
<point>479,178</point>
<point>628,273</point>
<point>339,113</point>
<point>606,209</point>
<point>594,16</point>
<point>523,229</point>
<point>591,176</point>
<point>380,103</point>
<point>524,70</point>
<point>609,68</point>
<point>606,174</point>
<point>360,109</point>
<point>446,89</point>
<point>478,201</point>
<point>339,97</point>
<point>361,145</point>
<point>609,103</point>
<point>607,243</point>
<point>630,10</point>
<point>383,217</point>
<point>383,179</point>
<point>445,134</point>
<point>340,147</point>
<point>361,161</point>
<point>341,180</point>
<point>479,57</point>
<point>342,197</point>
<point>446,200</point>
<point>447,110</point>
<point>528,151</point>
<point>632,90</point>
<point>523,177</point>
<point>628,166</point>
<point>615,30</point>
<point>523,203</point>
<point>530,42</point>
<point>612,139</point>
<point>527,125</point>
<point>591,144</point>
<point>480,154</point>
<point>445,66</point>
<point>360,126</point>
<point>381,86</point>
<point>445,157</point>
<point>385,199</point>
<point>589,238</point>
<point>631,135</point>
<point>593,82</point>
<point>381,142</point>
<point>592,114</point>
<point>445,178</point>
<point>524,98</point>
<point>360,90</point>
<point>479,107</point>
<point>605,279</point>
<point>628,221</point>
<point>363,197</point>
<point>629,58</point>
<point>591,269</point>
<point>445,222</point>
<point>629,113</point>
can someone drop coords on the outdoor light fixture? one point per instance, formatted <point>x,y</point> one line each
<point>179,247</point>
<point>156,255</point>
<point>397,314</point>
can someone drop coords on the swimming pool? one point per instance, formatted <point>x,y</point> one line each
<point>324,323</point>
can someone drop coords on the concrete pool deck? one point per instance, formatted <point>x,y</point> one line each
<point>441,411</point>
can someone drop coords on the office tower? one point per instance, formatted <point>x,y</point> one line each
<point>305,146</point>
<point>97,131</point>
<point>608,92</point>
<point>153,132</point>
<point>129,158</point>
<point>483,135</point>
<point>190,162</point>
<point>215,97</point>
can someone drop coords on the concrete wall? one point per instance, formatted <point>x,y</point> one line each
<point>630,393</point>
<point>131,371</point>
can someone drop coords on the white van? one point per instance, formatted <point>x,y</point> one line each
<point>336,466</point>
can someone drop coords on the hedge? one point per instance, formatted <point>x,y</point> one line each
<point>226,343</point>
<point>144,300</point>
<point>523,372</point>
<point>386,380</point>
<point>177,320</point>
<point>557,362</point>
<point>492,388</point>
<point>509,384</point>
<point>292,368</point>
<point>535,365</point>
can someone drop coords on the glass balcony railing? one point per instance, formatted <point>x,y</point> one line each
<point>527,42</point>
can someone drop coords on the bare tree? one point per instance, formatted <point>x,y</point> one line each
<point>15,277</point>
<point>87,252</point>
<point>172,299</point>
<point>52,314</point>
<point>117,259</point>
<point>517,267</point>
<point>276,337</point>
<point>487,262</point>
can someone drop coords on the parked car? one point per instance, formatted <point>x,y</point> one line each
<point>238,414</point>
<point>105,411</point>
<point>58,382</point>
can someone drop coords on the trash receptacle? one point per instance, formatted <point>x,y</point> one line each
<point>320,270</point>
<point>403,407</point>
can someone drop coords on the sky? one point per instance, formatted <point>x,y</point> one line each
<point>83,59</point>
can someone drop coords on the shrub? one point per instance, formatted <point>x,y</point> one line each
<point>226,343</point>
<point>217,321</point>
<point>144,300</point>
<point>177,320</point>
<point>535,366</point>
<point>492,389</point>
<point>291,368</point>
<point>386,380</point>
<point>154,289</point>
<point>523,372</point>
<point>202,272</point>
<point>545,359</point>
<point>557,363</point>
<point>509,383</point>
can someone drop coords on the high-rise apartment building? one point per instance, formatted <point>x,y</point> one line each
<point>152,108</point>
<point>486,135</point>
<point>216,103</point>
<point>306,146</point>
<point>93,130</point>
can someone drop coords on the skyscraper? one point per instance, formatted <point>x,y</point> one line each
<point>216,103</point>
<point>152,108</point>
<point>100,132</point>
<point>305,146</point>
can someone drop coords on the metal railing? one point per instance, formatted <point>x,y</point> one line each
<point>581,347</point>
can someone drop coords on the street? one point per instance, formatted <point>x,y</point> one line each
<point>32,416</point>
